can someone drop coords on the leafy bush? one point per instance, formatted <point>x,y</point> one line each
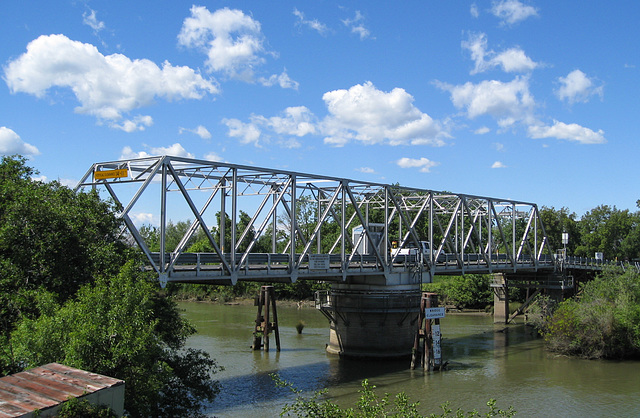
<point>371,405</point>
<point>603,323</point>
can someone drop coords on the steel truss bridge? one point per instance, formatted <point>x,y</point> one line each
<point>283,226</point>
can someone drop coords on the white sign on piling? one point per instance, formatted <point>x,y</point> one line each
<point>434,313</point>
<point>437,351</point>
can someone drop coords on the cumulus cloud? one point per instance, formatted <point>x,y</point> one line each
<point>357,26</point>
<point>314,24</point>
<point>296,121</point>
<point>11,143</point>
<point>498,164</point>
<point>368,115</point>
<point>247,133</point>
<point>508,103</point>
<point>577,87</point>
<point>282,79</point>
<point>200,130</point>
<point>511,12</point>
<point>511,60</point>
<point>424,164</point>
<point>138,123</point>
<point>362,113</point>
<point>106,86</point>
<point>233,41</point>
<point>481,131</point>
<point>571,132</point>
<point>175,150</point>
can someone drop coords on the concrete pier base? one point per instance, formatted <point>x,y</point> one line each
<point>500,299</point>
<point>372,321</point>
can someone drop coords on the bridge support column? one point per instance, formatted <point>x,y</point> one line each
<point>371,321</point>
<point>500,299</point>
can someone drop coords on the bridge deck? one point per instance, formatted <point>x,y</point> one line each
<point>276,267</point>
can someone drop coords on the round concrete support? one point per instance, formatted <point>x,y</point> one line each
<point>372,321</point>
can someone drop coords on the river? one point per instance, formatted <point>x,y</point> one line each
<point>485,361</point>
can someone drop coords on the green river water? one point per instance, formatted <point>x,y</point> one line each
<point>485,361</point>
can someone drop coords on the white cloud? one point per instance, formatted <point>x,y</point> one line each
<point>142,218</point>
<point>510,60</point>
<point>175,150</point>
<point>200,130</point>
<point>366,170</point>
<point>571,132</point>
<point>508,102</point>
<point>481,131</point>
<point>212,156</point>
<point>298,121</point>
<point>314,24</point>
<point>233,41</point>
<point>512,11</point>
<point>139,123</point>
<point>105,86</point>
<point>92,21</point>
<point>248,133</point>
<point>11,143</point>
<point>498,146</point>
<point>424,164</point>
<point>577,87</point>
<point>371,116</point>
<point>498,164</point>
<point>362,113</point>
<point>283,80</point>
<point>357,26</point>
<point>474,10</point>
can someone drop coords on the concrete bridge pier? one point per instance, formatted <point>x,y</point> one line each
<point>371,320</point>
<point>500,299</point>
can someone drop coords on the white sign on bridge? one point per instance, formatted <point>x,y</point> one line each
<point>319,262</point>
<point>434,313</point>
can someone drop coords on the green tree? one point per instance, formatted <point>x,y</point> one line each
<point>557,221</point>
<point>604,229</point>
<point>51,240</point>
<point>123,327</point>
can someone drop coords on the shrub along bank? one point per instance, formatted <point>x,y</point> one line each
<point>602,322</point>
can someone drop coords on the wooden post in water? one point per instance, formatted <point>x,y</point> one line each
<point>264,326</point>
<point>428,354</point>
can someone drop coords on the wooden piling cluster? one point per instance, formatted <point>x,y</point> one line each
<point>266,303</point>
<point>426,348</point>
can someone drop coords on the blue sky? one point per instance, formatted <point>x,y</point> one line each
<point>536,101</point>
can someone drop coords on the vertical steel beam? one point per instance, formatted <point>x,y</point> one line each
<point>163,215</point>
<point>234,217</point>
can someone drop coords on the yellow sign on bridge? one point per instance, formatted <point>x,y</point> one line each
<point>110,174</point>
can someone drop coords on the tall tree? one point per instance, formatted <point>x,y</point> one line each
<point>604,229</point>
<point>122,327</point>
<point>51,240</point>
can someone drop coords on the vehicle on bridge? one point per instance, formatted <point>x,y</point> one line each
<point>423,252</point>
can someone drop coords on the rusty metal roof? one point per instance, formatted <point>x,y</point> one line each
<point>47,386</point>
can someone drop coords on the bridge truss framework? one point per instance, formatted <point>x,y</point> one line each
<point>307,221</point>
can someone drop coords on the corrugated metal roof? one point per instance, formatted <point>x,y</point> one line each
<point>47,386</point>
